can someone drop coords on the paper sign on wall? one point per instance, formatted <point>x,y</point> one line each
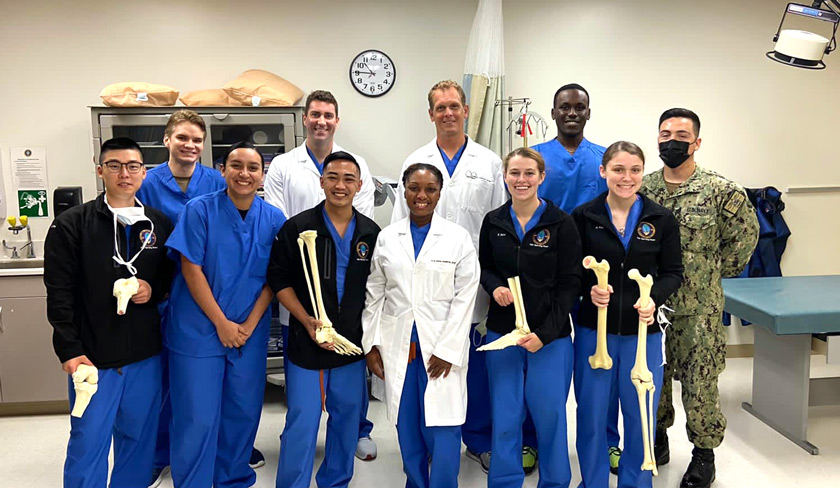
<point>29,175</point>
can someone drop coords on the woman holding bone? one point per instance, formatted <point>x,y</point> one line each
<point>420,296</point>
<point>530,264</point>
<point>630,232</point>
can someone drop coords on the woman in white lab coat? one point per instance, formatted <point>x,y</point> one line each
<point>420,296</point>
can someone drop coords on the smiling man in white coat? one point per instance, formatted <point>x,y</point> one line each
<point>293,184</point>
<point>473,184</point>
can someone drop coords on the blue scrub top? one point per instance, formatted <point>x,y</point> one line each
<point>571,180</point>
<point>318,164</point>
<point>632,221</point>
<point>535,219</point>
<point>418,237</point>
<point>233,254</point>
<point>342,250</point>
<point>161,191</point>
<point>451,164</point>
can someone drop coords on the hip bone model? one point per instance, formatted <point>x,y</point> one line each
<point>641,376</point>
<point>85,381</point>
<point>326,332</point>
<point>601,359</point>
<point>521,328</point>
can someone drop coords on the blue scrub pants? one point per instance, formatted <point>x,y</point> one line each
<point>343,389</point>
<point>216,407</point>
<point>419,443</point>
<point>165,416</point>
<point>613,437</point>
<point>592,390</point>
<point>365,425</point>
<point>125,407</point>
<point>538,382</point>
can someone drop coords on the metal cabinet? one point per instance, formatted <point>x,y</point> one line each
<point>29,369</point>
<point>274,130</point>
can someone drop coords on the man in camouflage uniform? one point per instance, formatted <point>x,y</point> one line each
<point>719,231</point>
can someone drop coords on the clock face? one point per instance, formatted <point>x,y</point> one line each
<point>372,73</point>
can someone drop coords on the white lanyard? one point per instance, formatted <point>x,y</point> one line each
<point>129,216</point>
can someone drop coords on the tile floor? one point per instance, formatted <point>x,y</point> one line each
<point>32,448</point>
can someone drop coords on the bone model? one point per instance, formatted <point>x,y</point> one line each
<point>326,332</point>
<point>601,359</point>
<point>124,289</point>
<point>85,381</point>
<point>521,328</point>
<point>641,377</point>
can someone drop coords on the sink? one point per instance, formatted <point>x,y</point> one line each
<point>21,263</point>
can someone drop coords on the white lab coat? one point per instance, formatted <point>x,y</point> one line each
<point>293,183</point>
<point>476,187</point>
<point>437,292</point>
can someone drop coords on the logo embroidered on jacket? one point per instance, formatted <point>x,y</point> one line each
<point>542,237</point>
<point>151,236</point>
<point>362,250</point>
<point>646,230</point>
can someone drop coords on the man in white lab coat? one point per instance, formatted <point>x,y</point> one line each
<point>293,184</point>
<point>473,184</point>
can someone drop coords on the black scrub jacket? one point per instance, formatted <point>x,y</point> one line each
<point>547,261</point>
<point>654,249</point>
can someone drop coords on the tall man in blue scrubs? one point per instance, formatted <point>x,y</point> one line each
<point>317,378</point>
<point>473,184</point>
<point>293,184</point>
<point>87,249</point>
<point>572,178</point>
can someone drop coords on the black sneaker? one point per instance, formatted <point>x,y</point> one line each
<point>158,474</point>
<point>661,450</point>
<point>483,459</point>
<point>701,469</point>
<point>257,459</point>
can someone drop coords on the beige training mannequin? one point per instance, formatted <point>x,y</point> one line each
<point>601,359</point>
<point>124,289</point>
<point>521,328</point>
<point>325,333</point>
<point>85,381</point>
<point>641,376</point>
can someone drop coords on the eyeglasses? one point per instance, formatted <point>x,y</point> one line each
<point>115,167</point>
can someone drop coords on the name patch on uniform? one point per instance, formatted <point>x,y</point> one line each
<point>646,231</point>
<point>443,261</point>
<point>733,203</point>
<point>362,250</point>
<point>148,234</point>
<point>542,237</point>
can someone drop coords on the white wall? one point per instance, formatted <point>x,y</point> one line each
<point>763,123</point>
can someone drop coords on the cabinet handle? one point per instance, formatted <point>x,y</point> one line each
<point>2,329</point>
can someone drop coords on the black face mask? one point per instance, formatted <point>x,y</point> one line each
<point>673,153</point>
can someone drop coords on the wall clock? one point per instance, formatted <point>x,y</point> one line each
<point>372,73</point>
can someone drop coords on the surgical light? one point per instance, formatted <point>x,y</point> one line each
<point>803,49</point>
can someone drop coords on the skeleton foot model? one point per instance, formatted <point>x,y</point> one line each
<point>521,325</point>
<point>124,289</point>
<point>85,381</point>
<point>325,333</point>
<point>641,376</point>
<point>601,359</point>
